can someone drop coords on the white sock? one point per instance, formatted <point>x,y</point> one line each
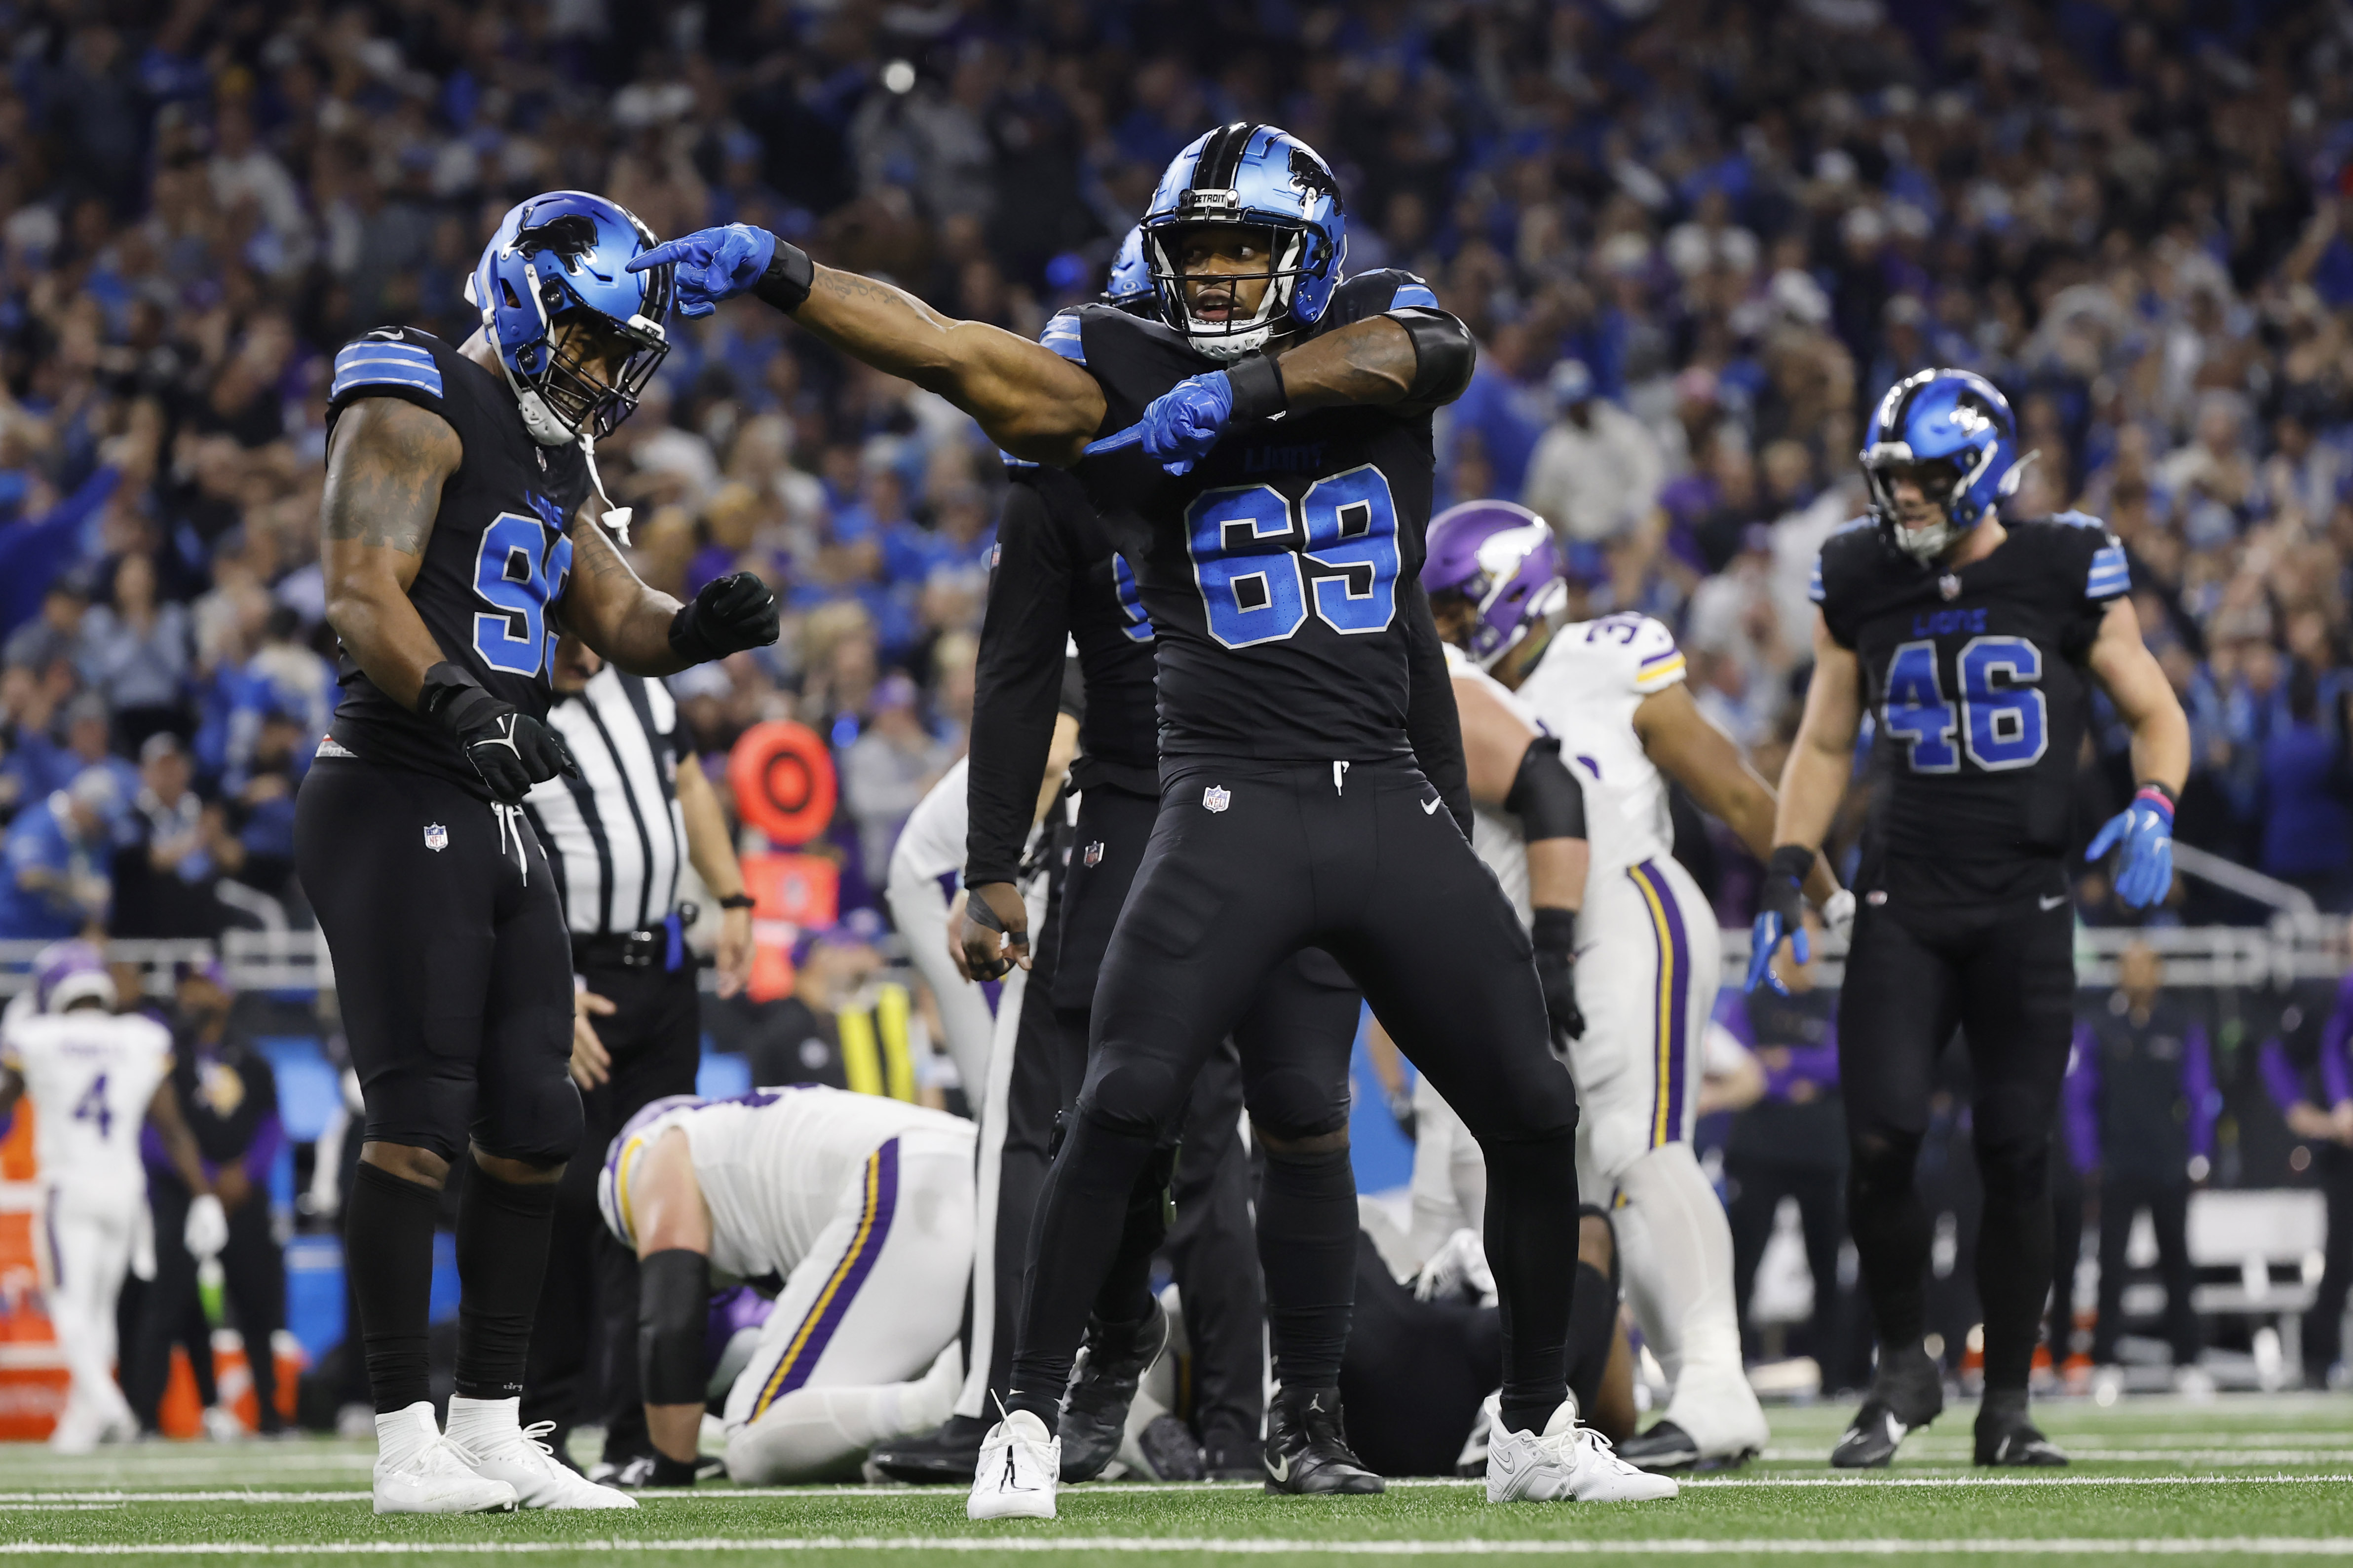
<point>470,1418</point>
<point>1675,1255</point>
<point>401,1435</point>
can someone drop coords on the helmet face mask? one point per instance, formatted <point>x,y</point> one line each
<point>1949,434</point>
<point>1244,177</point>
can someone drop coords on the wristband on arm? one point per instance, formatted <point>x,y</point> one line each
<point>788,279</point>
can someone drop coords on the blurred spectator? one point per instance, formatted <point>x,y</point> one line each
<point>888,769</point>
<point>137,652</point>
<point>1597,470</point>
<point>172,851</point>
<point>230,1098</point>
<point>2308,1073</point>
<point>2140,1106</point>
<point>56,853</point>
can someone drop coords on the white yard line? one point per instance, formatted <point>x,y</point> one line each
<point>1676,1546</point>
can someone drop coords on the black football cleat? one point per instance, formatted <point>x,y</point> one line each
<point>944,1456</point>
<point>1307,1447</point>
<point>1169,1452</point>
<point>1667,1448</point>
<point>1094,1416</point>
<point>2005,1438</point>
<point>1907,1394</point>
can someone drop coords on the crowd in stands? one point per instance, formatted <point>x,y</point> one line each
<point>1694,241</point>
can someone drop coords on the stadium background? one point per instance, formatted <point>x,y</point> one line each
<point>1729,225</point>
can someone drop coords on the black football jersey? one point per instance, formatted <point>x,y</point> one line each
<point>1057,581</point>
<point>1976,685</point>
<point>1271,571</point>
<point>498,559</point>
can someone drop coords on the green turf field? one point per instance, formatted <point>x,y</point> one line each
<point>2240,1480</point>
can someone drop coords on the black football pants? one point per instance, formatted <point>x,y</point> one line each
<point>2005,977</point>
<point>1248,863</point>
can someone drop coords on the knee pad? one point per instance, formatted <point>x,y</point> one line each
<point>420,1111</point>
<point>541,1124</point>
<point>1135,1097</point>
<point>2015,1170</point>
<point>1291,1105</point>
<point>1882,1159</point>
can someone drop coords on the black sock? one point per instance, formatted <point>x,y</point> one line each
<point>1081,1214</point>
<point>1307,1250</point>
<point>388,1252</point>
<point>1891,1237</point>
<point>2002,1404</point>
<point>1126,1293</point>
<point>1532,1249</point>
<point>502,1235</point>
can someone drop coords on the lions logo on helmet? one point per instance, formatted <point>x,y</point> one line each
<point>1130,282</point>
<point>1950,432</point>
<point>621,1157</point>
<point>563,257</point>
<point>1257,176</point>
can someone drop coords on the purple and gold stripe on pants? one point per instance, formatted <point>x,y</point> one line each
<point>1673,1000</point>
<point>825,1314</point>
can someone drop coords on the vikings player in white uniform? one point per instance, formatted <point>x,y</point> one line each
<point>1649,957</point>
<point>94,1078</point>
<point>856,1211</point>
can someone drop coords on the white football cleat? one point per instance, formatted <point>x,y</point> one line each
<point>418,1471</point>
<point>497,1448</point>
<point>1019,1463</point>
<point>1565,1463</point>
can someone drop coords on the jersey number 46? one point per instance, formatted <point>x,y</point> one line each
<point>2000,720</point>
<point>518,571</point>
<point>1258,557</point>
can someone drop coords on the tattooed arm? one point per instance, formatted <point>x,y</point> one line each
<point>385,466</point>
<point>612,610</point>
<point>1032,402</point>
<point>1415,357</point>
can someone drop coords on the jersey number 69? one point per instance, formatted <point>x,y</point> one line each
<point>1258,556</point>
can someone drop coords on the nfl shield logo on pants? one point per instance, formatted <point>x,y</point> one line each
<point>437,836</point>
<point>1215,798</point>
<point>1094,853</point>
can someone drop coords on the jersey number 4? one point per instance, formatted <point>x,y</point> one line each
<point>1258,556</point>
<point>2000,719</point>
<point>93,1106</point>
<point>518,572</point>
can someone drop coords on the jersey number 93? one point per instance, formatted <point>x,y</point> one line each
<point>2000,720</point>
<point>1259,557</point>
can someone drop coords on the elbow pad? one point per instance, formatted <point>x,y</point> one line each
<point>673,1303</point>
<point>1545,796</point>
<point>1443,355</point>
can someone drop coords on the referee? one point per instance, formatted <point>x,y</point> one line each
<point>615,839</point>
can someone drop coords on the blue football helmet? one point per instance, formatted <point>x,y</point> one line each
<point>1130,280</point>
<point>1951,432</point>
<point>1262,177</point>
<point>559,257</point>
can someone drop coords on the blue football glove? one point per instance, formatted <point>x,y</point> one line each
<point>2144,829</point>
<point>1780,905</point>
<point>1186,421</point>
<point>713,264</point>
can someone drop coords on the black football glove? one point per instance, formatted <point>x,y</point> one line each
<point>731,612</point>
<point>1555,935</point>
<point>509,750</point>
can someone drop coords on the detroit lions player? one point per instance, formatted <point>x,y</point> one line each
<point>93,1077</point>
<point>455,521</point>
<point>1974,640</point>
<point>855,1210</point>
<point>1611,691</point>
<point>1269,480</point>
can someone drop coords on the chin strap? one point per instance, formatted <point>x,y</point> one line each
<point>616,518</point>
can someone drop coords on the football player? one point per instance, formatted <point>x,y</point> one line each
<point>456,521</point>
<point>1262,456</point>
<point>94,1076</point>
<point>1974,640</point>
<point>1610,695</point>
<point>855,1210</point>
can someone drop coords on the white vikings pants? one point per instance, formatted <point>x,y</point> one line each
<point>88,1240</point>
<point>868,1311</point>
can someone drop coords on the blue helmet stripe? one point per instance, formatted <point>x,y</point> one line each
<point>1409,294</point>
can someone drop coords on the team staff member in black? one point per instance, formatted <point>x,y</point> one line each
<point>1277,563</point>
<point>453,524</point>
<point>1975,641</point>
<point>615,839</point>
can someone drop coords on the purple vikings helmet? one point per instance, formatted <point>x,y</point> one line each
<point>621,1154</point>
<point>68,971</point>
<point>1505,560</point>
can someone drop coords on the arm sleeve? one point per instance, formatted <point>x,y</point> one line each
<point>1018,685</point>
<point>2082,1097</point>
<point>1432,726</point>
<point>2198,1088</point>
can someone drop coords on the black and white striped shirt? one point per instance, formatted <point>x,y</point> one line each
<point>615,835</point>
